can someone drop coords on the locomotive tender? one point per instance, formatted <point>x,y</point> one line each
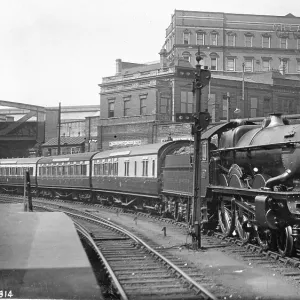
<point>250,179</point>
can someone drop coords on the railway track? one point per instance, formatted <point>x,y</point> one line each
<point>288,267</point>
<point>136,270</point>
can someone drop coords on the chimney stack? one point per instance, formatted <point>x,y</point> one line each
<point>118,66</point>
<point>163,58</point>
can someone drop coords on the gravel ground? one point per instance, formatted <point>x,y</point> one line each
<point>232,278</point>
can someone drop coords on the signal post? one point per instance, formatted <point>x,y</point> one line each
<point>201,120</point>
<point>201,78</point>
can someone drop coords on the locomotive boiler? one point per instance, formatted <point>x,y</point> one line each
<point>268,155</point>
<point>255,176</point>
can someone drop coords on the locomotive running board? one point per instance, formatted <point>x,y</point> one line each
<point>227,190</point>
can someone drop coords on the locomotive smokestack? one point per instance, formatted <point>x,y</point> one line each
<point>276,120</point>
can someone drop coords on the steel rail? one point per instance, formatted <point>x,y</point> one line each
<point>115,280</point>
<point>199,288</point>
<point>87,235</point>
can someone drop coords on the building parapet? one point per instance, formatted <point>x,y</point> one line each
<point>138,75</point>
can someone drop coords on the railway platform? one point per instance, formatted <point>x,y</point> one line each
<point>41,256</point>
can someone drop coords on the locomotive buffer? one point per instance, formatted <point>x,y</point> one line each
<point>201,121</point>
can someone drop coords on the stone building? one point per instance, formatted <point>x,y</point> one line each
<point>254,59</point>
<point>233,42</point>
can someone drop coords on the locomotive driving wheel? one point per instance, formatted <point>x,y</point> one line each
<point>241,217</point>
<point>226,217</point>
<point>285,241</point>
<point>225,212</point>
<point>241,221</point>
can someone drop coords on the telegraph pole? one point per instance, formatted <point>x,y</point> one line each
<point>202,78</point>
<point>59,125</point>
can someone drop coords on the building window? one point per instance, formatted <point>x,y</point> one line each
<point>111,109</point>
<point>248,64</point>
<point>230,64</point>
<point>298,66</point>
<point>145,167</point>
<point>267,105</point>
<point>213,63</point>
<point>266,65</point>
<point>126,101</point>
<point>231,40</point>
<point>214,39</point>
<point>143,105</point>
<point>164,104</point>
<point>211,105</point>
<point>126,168</point>
<point>283,67</point>
<point>186,37</point>
<point>266,42</point>
<point>248,40</point>
<point>253,102</point>
<point>187,102</point>
<point>283,43</point>
<point>225,106</point>
<point>135,168</point>
<point>200,38</point>
<point>186,56</point>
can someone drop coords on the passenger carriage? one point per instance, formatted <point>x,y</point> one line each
<point>65,176</point>
<point>131,176</point>
<point>12,173</point>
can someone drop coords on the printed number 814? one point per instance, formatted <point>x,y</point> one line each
<point>6,294</point>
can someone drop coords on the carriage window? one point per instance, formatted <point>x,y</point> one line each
<point>126,165</point>
<point>105,168</point>
<point>115,168</point>
<point>153,168</point>
<point>78,169</point>
<point>145,168</point>
<point>83,168</point>
<point>204,151</point>
<point>72,170</point>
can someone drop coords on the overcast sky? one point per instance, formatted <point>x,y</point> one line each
<point>55,51</point>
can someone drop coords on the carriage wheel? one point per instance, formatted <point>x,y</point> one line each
<point>285,241</point>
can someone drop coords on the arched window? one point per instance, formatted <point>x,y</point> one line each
<point>200,37</point>
<point>214,38</point>
<point>214,61</point>
<point>186,36</point>
<point>231,39</point>
<point>266,40</point>
<point>249,39</point>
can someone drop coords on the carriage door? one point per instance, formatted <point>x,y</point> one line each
<point>204,167</point>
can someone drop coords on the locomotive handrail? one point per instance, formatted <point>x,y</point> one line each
<point>254,147</point>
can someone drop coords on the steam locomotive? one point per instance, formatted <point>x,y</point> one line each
<point>250,179</point>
